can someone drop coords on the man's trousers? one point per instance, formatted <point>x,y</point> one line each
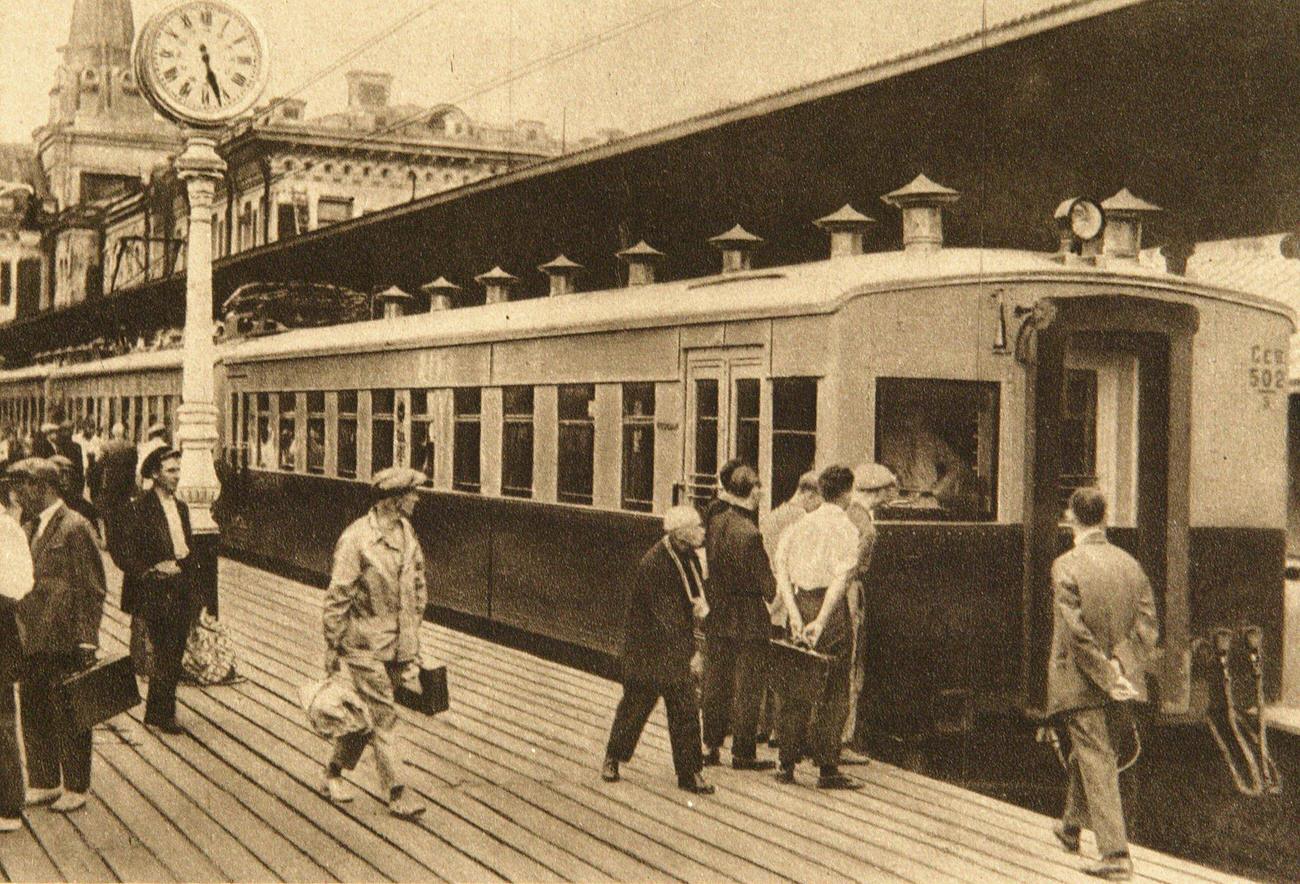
<point>735,673</point>
<point>813,726</point>
<point>56,755</point>
<point>639,698</point>
<point>11,763</point>
<point>1092,798</point>
<point>374,681</point>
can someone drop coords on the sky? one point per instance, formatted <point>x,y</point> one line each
<point>693,56</point>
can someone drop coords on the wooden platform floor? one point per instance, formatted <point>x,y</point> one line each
<point>511,776</point>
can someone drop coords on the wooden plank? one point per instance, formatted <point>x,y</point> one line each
<point>122,852</point>
<point>23,859</point>
<point>74,859</point>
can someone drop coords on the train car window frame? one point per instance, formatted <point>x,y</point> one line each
<point>517,441</point>
<point>264,456</point>
<point>383,428</point>
<point>1078,431</point>
<point>346,433</point>
<point>575,450</point>
<point>940,437</point>
<point>286,420</point>
<point>315,459</point>
<point>794,433</point>
<point>637,464</point>
<point>422,447</point>
<point>467,440</point>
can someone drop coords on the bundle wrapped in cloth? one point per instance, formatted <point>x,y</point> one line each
<point>333,707</point>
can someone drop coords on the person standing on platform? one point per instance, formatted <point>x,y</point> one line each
<point>805,499</point>
<point>1103,633</point>
<point>15,584</point>
<point>157,580</point>
<point>873,486</point>
<point>59,621</point>
<point>738,628</point>
<point>154,438</point>
<point>373,611</point>
<point>113,482</point>
<point>659,653</point>
<point>66,446</point>
<point>43,441</point>
<point>814,563</point>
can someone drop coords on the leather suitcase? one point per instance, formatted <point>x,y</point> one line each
<point>432,697</point>
<point>100,692</point>
<point>797,670</point>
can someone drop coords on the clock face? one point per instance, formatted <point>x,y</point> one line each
<point>202,62</point>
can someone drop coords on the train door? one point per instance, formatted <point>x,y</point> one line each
<point>724,408</point>
<point>1108,400</point>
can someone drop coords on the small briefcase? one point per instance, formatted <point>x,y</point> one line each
<point>100,692</point>
<point>432,697</point>
<point>797,670</point>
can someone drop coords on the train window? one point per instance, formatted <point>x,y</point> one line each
<point>152,406</point>
<point>288,430</point>
<point>467,434</point>
<point>232,432</point>
<point>517,442</point>
<point>137,417</point>
<point>940,439</point>
<point>347,453</point>
<point>264,456</point>
<point>794,433</point>
<point>577,443</point>
<point>246,430</point>
<point>316,433</point>
<point>747,420</point>
<point>381,429</point>
<point>638,447</point>
<point>421,434</point>
<point>167,409</point>
<point>1078,431</point>
<point>706,432</point>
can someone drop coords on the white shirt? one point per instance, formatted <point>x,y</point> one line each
<point>46,515</point>
<point>174,526</point>
<point>817,550</point>
<point>15,559</point>
<point>1082,536</point>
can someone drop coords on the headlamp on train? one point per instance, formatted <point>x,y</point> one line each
<point>1080,221</point>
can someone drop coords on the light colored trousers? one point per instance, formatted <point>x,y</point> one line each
<point>1092,799</point>
<point>374,681</point>
<point>855,596</point>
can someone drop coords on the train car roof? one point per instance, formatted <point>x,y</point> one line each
<point>149,360</point>
<point>817,287</point>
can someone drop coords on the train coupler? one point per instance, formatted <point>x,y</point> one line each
<point>1241,733</point>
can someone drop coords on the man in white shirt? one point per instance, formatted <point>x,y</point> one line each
<point>814,562</point>
<point>15,584</point>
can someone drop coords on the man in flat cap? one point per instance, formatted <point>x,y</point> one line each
<point>874,486</point>
<point>67,488</point>
<point>153,551</point>
<point>659,651</point>
<point>373,612</point>
<point>59,620</point>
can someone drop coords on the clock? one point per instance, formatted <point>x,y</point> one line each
<point>201,62</point>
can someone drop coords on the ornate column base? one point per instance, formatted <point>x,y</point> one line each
<point>196,436</point>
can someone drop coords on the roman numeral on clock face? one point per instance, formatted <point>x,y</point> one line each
<point>205,16</point>
<point>170,74</point>
<point>239,80</point>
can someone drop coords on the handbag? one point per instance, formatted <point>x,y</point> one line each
<point>797,670</point>
<point>432,697</point>
<point>100,692</point>
<point>334,708</point>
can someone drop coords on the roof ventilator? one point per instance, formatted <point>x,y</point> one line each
<point>497,283</point>
<point>562,273</point>
<point>737,246</point>
<point>1123,235</point>
<point>393,302</point>
<point>921,203</point>
<point>441,292</point>
<point>641,260</point>
<point>848,228</point>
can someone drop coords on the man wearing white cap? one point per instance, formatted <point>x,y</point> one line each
<point>373,611</point>
<point>659,651</point>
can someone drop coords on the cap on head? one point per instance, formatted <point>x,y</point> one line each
<point>873,477</point>
<point>34,469</point>
<point>63,463</point>
<point>156,431</point>
<point>49,427</point>
<point>395,481</point>
<point>153,461</point>
<point>681,516</point>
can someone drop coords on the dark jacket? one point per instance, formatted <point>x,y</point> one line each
<point>740,578</point>
<point>77,475</point>
<point>1103,609</point>
<point>113,475</point>
<point>66,603</point>
<point>144,541</point>
<point>659,637</point>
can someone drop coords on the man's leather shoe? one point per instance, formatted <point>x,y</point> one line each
<point>712,758</point>
<point>173,727</point>
<point>609,771</point>
<point>751,764</point>
<point>785,776</point>
<point>10,823</point>
<point>695,785</point>
<point>69,801</point>
<point>1067,838</point>
<point>837,781</point>
<point>1112,868</point>
<point>36,797</point>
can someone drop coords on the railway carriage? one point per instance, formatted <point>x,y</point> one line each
<point>993,382</point>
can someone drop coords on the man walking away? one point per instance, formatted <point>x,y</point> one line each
<point>1103,633</point>
<point>814,564</point>
<point>737,630</point>
<point>15,584</point>
<point>158,580</point>
<point>59,620</point>
<point>659,651</point>
<point>373,611</point>
<point>113,484</point>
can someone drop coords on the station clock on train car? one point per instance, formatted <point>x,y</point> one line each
<point>202,62</point>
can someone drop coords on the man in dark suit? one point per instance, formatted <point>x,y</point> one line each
<point>59,620</point>
<point>66,446</point>
<point>1103,634</point>
<point>659,651</point>
<point>738,627</point>
<point>113,481</point>
<point>157,582</point>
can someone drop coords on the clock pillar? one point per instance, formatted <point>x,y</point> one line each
<point>200,168</point>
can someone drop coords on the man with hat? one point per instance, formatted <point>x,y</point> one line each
<point>154,438</point>
<point>874,486</point>
<point>67,447</point>
<point>373,612</point>
<point>67,483</point>
<point>59,620</point>
<point>153,551</point>
<point>15,584</point>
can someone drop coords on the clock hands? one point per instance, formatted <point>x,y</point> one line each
<point>212,77</point>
